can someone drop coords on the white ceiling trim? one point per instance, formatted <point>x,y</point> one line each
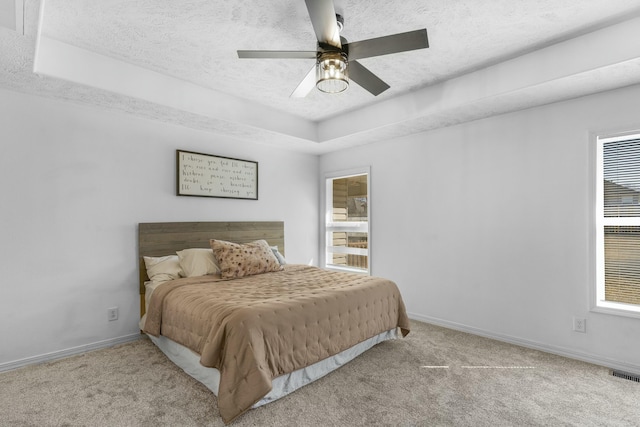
<point>514,84</point>
<point>61,60</point>
<point>11,14</point>
<point>19,5</point>
<point>574,58</point>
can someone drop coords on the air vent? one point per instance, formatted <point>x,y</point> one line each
<point>626,376</point>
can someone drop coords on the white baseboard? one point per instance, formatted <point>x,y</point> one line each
<point>558,350</point>
<point>55,355</point>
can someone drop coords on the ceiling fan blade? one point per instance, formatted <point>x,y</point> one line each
<point>278,54</point>
<point>323,19</point>
<point>365,78</point>
<point>400,42</point>
<point>306,85</point>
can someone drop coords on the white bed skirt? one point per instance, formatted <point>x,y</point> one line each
<point>189,361</point>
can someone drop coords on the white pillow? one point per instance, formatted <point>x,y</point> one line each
<point>278,255</point>
<point>162,269</point>
<point>197,262</point>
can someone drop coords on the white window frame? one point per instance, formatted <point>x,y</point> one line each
<point>598,302</point>
<point>331,226</point>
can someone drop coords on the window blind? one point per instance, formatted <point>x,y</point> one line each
<point>621,187</point>
<point>621,169</point>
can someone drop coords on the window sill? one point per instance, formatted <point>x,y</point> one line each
<point>347,269</point>
<point>617,309</point>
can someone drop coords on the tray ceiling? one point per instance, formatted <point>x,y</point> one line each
<point>177,62</point>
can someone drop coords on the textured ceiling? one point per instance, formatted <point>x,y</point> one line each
<point>195,42</point>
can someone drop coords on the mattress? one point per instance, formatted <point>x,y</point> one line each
<point>189,362</point>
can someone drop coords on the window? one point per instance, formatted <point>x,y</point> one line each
<point>347,222</point>
<point>618,223</point>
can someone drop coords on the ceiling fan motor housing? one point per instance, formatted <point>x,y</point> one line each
<point>340,22</point>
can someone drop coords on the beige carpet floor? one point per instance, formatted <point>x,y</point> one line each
<point>397,383</point>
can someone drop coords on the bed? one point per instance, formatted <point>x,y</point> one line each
<point>253,328</point>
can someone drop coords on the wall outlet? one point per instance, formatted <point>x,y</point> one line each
<point>112,313</point>
<point>580,324</point>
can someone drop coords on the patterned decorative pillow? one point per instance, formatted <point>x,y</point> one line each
<point>236,260</point>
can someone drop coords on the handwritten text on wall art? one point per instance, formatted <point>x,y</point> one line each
<point>214,176</point>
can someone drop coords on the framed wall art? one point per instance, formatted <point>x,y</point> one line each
<point>206,175</point>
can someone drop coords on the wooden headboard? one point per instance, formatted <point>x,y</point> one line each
<point>165,238</point>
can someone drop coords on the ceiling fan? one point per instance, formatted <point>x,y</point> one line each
<point>336,59</point>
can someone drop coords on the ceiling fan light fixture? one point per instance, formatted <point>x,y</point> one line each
<point>332,74</point>
<point>332,64</point>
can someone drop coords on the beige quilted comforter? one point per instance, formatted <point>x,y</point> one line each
<point>256,328</point>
